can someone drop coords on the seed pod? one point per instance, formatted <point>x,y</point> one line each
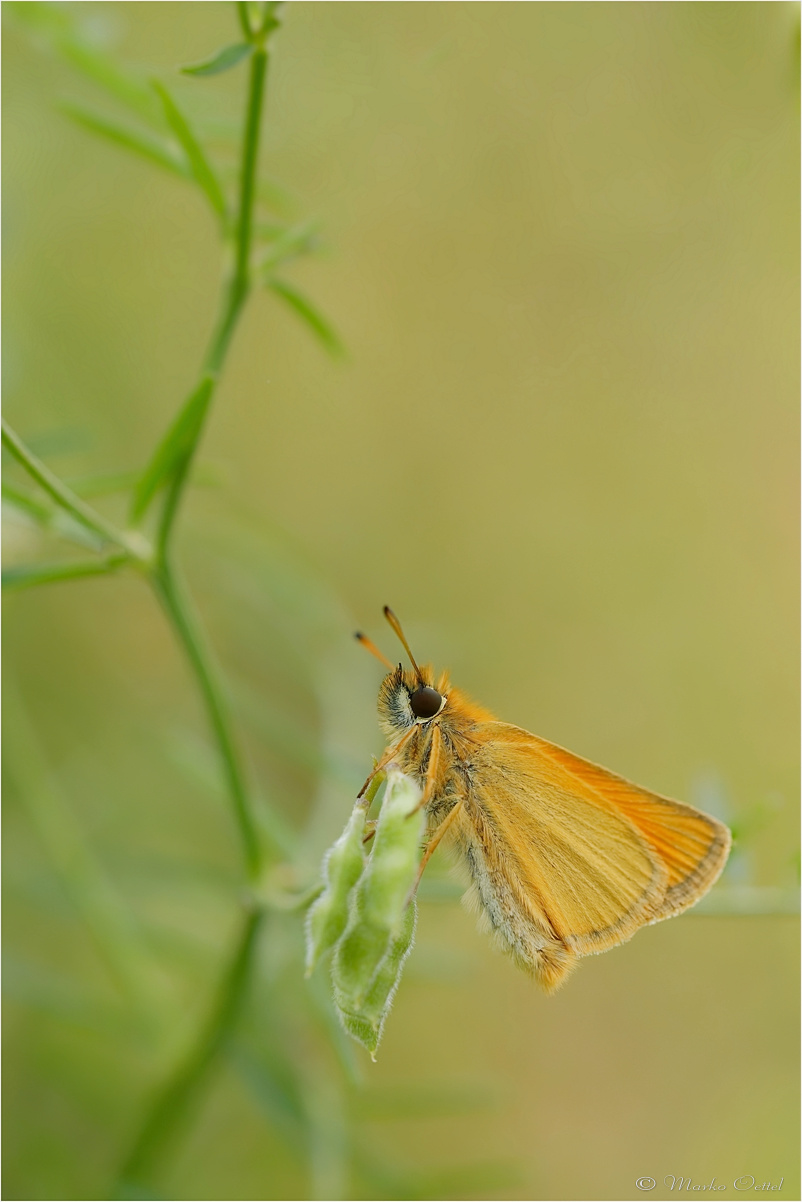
<point>379,901</point>
<point>341,869</point>
<point>367,1025</point>
<point>357,956</point>
<point>394,861</point>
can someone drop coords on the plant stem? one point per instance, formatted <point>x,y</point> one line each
<point>239,284</point>
<point>236,290</point>
<point>179,611</point>
<point>249,161</point>
<point>168,588</point>
<point>62,494</point>
<point>170,1106</point>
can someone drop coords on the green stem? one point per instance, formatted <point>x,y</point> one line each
<point>236,290</point>
<point>239,285</point>
<point>63,495</point>
<point>167,587</point>
<point>249,160</point>
<point>28,575</point>
<point>169,1108</point>
<point>179,611</point>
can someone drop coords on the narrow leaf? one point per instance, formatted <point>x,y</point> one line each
<point>198,163</point>
<point>131,92</point>
<point>27,503</point>
<point>244,20</point>
<point>141,144</point>
<point>224,60</point>
<point>289,244</point>
<point>29,575</point>
<point>314,319</point>
<point>43,19</point>
<point>49,518</point>
<point>271,19</point>
<point>177,444</point>
<point>61,31</point>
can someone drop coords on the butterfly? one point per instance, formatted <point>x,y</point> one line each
<point>566,858</point>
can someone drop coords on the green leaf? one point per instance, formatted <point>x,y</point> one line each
<point>276,197</point>
<point>27,503</point>
<point>49,518</point>
<point>44,19</point>
<point>288,244</point>
<point>198,163</point>
<point>271,19</point>
<point>129,91</point>
<point>174,449</point>
<point>224,60</point>
<point>304,309</point>
<point>62,33</point>
<point>59,441</point>
<point>129,139</point>
<point>29,575</point>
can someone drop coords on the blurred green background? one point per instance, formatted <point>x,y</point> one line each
<point>560,243</point>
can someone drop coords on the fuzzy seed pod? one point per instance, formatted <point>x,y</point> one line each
<point>367,1025</point>
<point>396,853</point>
<point>342,868</point>
<point>379,902</point>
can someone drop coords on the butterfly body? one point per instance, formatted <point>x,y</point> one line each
<point>566,858</point>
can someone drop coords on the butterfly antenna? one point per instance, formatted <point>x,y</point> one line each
<point>396,625</point>
<point>373,649</point>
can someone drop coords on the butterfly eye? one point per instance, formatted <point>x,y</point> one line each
<point>425,702</point>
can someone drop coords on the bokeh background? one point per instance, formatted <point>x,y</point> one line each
<point>560,243</point>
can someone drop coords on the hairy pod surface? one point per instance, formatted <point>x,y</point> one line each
<point>367,1025</point>
<point>342,867</point>
<point>379,902</point>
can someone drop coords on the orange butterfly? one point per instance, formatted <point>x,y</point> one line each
<point>567,859</point>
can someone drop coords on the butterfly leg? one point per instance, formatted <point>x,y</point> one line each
<point>432,770</point>
<point>386,758</point>
<point>432,844</point>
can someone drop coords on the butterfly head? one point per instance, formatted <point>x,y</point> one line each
<point>406,696</point>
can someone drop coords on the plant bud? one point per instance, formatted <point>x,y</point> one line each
<point>367,1025</point>
<point>393,864</point>
<point>342,867</point>
<point>378,904</point>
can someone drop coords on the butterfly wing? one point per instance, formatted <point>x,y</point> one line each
<point>569,859</point>
<point>692,845</point>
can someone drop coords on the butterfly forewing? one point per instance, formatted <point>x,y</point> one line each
<point>599,856</point>
<point>578,859</point>
<point>692,845</point>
